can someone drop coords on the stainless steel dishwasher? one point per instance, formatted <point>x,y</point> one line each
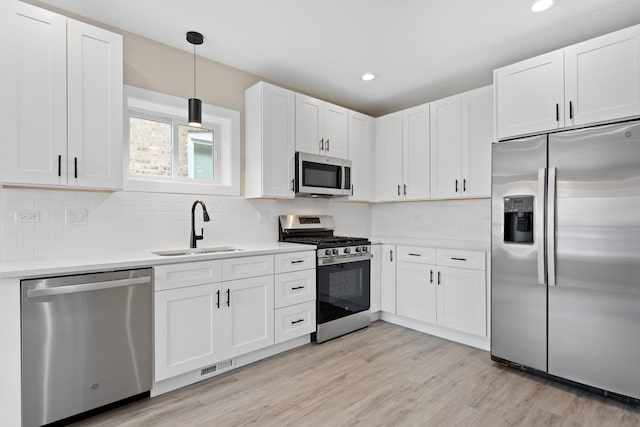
<point>86,342</point>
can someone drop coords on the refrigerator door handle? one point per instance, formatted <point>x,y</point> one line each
<point>551,228</point>
<point>539,237</point>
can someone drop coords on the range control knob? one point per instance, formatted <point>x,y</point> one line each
<point>335,252</point>
<point>347,250</point>
<point>358,249</point>
<point>365,249</point>
<point>327,251</point>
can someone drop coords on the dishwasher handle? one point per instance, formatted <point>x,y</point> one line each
<point>86,287</point>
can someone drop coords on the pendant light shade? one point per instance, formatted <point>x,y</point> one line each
<point>195,105</point>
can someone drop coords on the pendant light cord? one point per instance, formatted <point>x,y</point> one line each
<point>194,70</point>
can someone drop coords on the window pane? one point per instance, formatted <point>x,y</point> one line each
<point>195,153</point>
<point>149,147</point>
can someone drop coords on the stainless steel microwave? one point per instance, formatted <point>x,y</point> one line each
<point>321,176</point>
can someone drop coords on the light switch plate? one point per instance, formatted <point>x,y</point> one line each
<point>27,216</point>
<point>75,216</point>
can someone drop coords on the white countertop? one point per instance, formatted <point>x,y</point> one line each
<point>471,245</point>
<point>58,266</point>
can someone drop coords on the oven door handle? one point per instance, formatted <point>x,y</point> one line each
<point>343,260</point>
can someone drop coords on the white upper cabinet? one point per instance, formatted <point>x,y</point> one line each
<point>446,148</point>
<point>269,141</point>
<point>62,114</point>
<point>361,129</point>
<point>593,81</point>
<point>602,78</point>
<point>95,90</point>
<point>321,127</point>
<point>477,136</point>
<point>530,95</point>
<point>388,170</point>
<point>402,155</point>
<point>415,153</point>
<point>461,136</point>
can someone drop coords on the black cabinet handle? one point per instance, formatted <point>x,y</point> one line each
<point>438,277</point>
<point>398,189</point>
<point>322,144</point>
<point>412,254</point>
<point>218,302</point>
<point>352,189</point>
<point>295,288</point>
<point>458,259</point>
<point>293,185</point>
<point>59,165</point>
<point>430,276</point>
<point>228,297</point>
<point>571,110</point>
<point>557,113</point>
<point>293,322</point>
<point>391,255</point>
<point>456,185</point>
<point>464,185</point>
<point>298,261</point>
<point>75,167</point>
<point>405,189</point>
<point>327,144</point>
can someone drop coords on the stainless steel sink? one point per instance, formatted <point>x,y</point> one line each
<point>197,251</point>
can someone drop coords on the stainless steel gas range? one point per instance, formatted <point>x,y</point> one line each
<point>343,266</point>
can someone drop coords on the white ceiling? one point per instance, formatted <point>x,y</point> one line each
<point>420,50</point>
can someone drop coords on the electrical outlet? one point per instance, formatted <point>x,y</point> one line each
<point>27,216</point>
<point>261,217</point>
<point>75,216</point>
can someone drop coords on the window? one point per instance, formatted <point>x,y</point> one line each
<point>165,154</point>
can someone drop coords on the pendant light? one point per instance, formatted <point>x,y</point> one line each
<point>195,105</point>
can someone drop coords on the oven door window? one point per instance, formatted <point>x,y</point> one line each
<point>343,289</point>
<point>321,175</point>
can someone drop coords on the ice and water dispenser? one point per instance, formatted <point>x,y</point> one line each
<point>518,219</point>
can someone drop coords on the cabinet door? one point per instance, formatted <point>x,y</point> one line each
<point>361,155</point>
<point>335,133</point>
<point>462,300</point>
<point>388,279</point>
<point>415,161</point>
<point>388,157</point>
<point>530,95</point>
<point>188,329</point>
<point>374,294</point>
<point>416,291</point>
<point>477,136</point>
<point>34,97</point>
<point>309,138</point>
<point>248,315</point>
<point>602,78</point>
<point>94,58</point>
<point>446,148</point>
<point>269,141</point>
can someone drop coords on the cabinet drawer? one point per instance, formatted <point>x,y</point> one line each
<point>295,287</point>
<point>295,261</point>
<point>474,260</point>
<point>186,274</point>
<point>240,268</point>
<point>417,254</point>
<point>295,321</point>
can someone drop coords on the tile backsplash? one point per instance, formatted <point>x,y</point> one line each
<point>134,221</point>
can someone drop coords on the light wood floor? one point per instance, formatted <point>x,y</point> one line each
<point>384,375</point>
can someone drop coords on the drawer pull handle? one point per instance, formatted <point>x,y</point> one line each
<point>293,322</point>
<point>218,302</point>
<point>415,255</point>
<point>295,288</point>
<point>298,261</point>
<point>458,259</point>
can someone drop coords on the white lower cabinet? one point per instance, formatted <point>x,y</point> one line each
<point>374,295</point>
<point>247,315</point>
<point>188,329</point>
<point>388,279</point>
<point>210,311</point>
<point>443,287</point>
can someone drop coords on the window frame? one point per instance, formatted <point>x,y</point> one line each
<point>224,123</point>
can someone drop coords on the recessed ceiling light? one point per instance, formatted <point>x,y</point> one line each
<point>368,76</point>
<point>540,5</point>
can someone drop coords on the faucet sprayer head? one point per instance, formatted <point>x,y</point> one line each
<point>205,214</point>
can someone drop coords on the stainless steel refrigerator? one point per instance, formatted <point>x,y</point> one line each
<point>566,255</point>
